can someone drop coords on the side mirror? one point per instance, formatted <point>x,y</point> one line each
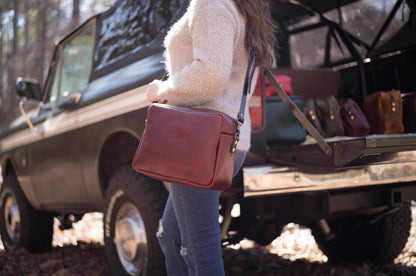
<point>28,89</point>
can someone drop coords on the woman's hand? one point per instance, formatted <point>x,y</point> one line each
<point>152,90</point>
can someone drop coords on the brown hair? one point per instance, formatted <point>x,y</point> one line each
<point>260,30</point>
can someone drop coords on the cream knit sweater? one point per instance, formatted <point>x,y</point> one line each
<point>207,60</point>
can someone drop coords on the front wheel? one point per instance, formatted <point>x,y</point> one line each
<point>134,206</point>
<point>20,224</point>
<point>378,238</point>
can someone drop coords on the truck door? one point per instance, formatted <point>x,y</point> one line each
<point>55,159</point>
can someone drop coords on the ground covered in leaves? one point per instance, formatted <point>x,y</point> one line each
<point>80,251</point>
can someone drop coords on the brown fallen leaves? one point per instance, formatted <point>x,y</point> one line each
<point>80,251</point>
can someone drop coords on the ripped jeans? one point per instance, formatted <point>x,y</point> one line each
<point>189,232</point>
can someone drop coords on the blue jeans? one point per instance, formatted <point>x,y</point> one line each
<point>189,232</point>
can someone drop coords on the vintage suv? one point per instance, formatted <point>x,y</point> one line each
<point>72,153</point>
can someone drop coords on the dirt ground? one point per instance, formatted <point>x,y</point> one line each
<point>80,251</point>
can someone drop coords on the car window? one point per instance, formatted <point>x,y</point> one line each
<point>73,69</point>
<point>131,26</point>
<point>55,85</point>
<point>362,19</point>
<point>77,61</point>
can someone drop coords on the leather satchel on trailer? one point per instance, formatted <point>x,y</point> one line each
<point>384,112</point>
<point>329,116</point>
<point>325,147</point>
<point>310,113</point>
<point>353,119</point>
<point>409,112</point>
<point>284,80</point>
<point>175,148</point>
<point>283,129</point>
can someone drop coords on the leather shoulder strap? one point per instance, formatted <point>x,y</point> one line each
<point>247,85</point>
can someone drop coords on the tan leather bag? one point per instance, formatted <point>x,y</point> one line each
<point>384,112</point>
<point>191,146</point>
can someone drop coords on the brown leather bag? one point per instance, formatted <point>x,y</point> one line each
<point>191,146</point>
<point>329,116</point>
<point>384,112</point>
<point>309,108</point>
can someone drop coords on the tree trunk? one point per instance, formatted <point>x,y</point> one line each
<point>40,59</point>
<point>8,109</point>
<point>75,13</point>
<point>27,25</point>
<point>13,48</point>
<point>15,27</point>
<point>11,72</point>
<point>1,57</point>
<point>1,71</point>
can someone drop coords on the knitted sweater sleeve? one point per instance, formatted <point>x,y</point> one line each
<point>212,27</point>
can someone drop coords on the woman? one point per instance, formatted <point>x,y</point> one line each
<point>207,56</point>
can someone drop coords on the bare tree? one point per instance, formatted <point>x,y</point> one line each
<point>27,23</point>
<point>75,13</point>
<point>10,66</point>
<point>41,32</point>
<point>28,30</point>
<point>14,45</point>
<point>1,61</point>
<point>15,7</point>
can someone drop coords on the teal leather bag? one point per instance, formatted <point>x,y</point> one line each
<point>282,127</point>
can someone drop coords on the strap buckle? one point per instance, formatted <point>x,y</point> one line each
<point>235,141</point>
<point>240,119</point>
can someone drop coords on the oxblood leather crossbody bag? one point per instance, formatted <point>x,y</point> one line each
<point>191,146</point>
<point>353,119</point>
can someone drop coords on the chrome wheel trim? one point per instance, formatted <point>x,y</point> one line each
<point>130,239</point>
<point>12,217</point>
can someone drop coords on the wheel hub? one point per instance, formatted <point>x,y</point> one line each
<point>130,239</point>
<point>12,217</point>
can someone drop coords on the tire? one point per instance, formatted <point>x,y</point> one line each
<point>134,206</point>
<point>357,239</point>
<point>20,224</point>
<point>250,226</point>
<point>265,234</point>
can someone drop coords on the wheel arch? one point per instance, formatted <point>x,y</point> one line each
<point>117,150</point>
<point>35,228</point>
<point>7,168</point>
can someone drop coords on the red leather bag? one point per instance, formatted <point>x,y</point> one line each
<point>191,146</point>
<point>256,108</point>
<point>284,81</point>
<point>353,119</point>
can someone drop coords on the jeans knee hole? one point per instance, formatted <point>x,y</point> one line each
<point>184,251</point>
<point>160,231</point>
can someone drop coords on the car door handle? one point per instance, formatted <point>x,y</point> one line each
<point>74,98</point>
<point>71,100</point>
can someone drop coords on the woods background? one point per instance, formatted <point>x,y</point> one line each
<point>28,31</point>
<point>30,28</point>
